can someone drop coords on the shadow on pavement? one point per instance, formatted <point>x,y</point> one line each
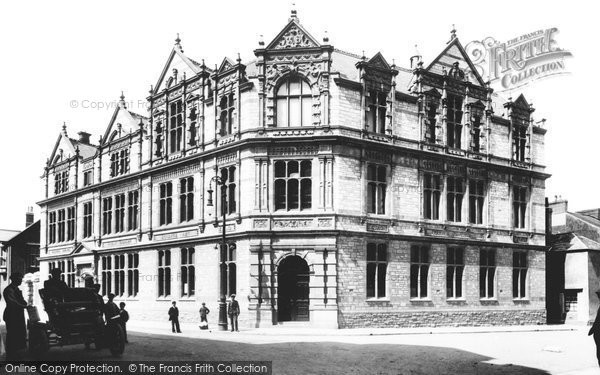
<point>300,357</point>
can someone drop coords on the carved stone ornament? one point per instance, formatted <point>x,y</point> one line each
<point>294,38</point>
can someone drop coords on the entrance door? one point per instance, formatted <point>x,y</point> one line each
<point>292,289</point>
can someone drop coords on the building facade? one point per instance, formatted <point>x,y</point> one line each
<point>573,263</point>
<point>355,193</point>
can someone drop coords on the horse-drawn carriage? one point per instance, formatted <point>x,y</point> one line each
<point>75,316</point>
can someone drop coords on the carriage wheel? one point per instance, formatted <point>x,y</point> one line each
<point>38,341</point>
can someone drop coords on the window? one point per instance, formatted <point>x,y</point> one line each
<point>228,187</point>
<point>455,198</point>
<point>166,203</point>
<point>376,107</point>
<point>419,271</point>
<point>431,112</point>
<point>454,272</point>
<point>227,108</point>
<point>61,182</point>
<point>453,121</point>
<point>293,185</point>
<point>87,178</point>
<point>87,219</point>
<point>70,274</point>
<point>52,227</point>
<point>519,138</point>
<point>119,162</point>
<point>193,126</point>
<point>229,269</point>
<point>70,223</point>
<point>294,103</point>
<point>432,189</point>
<point>487,273</point>
<point>133,198</point>
<point>186,199</point>
<point>119,275</point>
<point>376,270</point>
<point>175,126</point>
<point>519,206</point>
<point>106,275</point>
<point>476,200</point>
<point>376,188</point>
<point>61,225</point>
<point>476,115</point>
<point>119,213</point>
<point>164,273</point>
<point>188,273</point>
<point>519,274</point>
<point>107,215</point>
<point>133,275</point>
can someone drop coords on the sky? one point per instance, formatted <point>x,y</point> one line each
<point>68,61</point>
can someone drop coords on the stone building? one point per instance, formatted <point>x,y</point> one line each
<point>573,263</point>
<point>356,193</point>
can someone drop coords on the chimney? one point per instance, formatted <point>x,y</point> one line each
<point>29,217</point>
<point>558,215</point>
<point>84,137</point>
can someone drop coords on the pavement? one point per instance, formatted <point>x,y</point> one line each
<point>536,350</point>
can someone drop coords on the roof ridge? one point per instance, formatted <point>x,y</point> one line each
<point>347,53</point>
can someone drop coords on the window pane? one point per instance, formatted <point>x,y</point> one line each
<point>371,194</point>
<point>459,272</point>
<point>292,169</point>
<point>307,111</point>
<point>306,190</point>
<point>371,251</point>
<point>490,281</point>
<point>292,194</point>
<point>424,274</point>
<point>280,169</point>
<point>294,87</point>
<point>382,252</point>
<point>282,112</point>
<point>282,89</point>
<point>450,282</point>
<point>371,279</point>
<point>305,167</point>
<point>280,195</point>
<point>381,279</point>
<point>381,201</point>
<point>294,116</point>
<point>414,280</point>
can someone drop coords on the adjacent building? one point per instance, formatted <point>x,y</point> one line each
<point>353,192</point>
<point>573,263</point>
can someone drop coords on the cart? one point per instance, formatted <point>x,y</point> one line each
<point>75,316</point>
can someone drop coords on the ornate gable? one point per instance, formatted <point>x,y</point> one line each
<point>226,64</point>
<point>293,36</point>
<point>63,149</point>
<point>177,66</point>
<point>378,61</point>
<point>455,62</point>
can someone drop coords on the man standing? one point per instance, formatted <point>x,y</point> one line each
<point>174,318</point>
<point>14,317</point>
<point>204,311</point>
<point>233,311</point>
<point>111,309</point>
<point>595,330</point>
<point>124,318</point>
<point>54,282</point>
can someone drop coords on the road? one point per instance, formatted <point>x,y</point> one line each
<point>314,352</point>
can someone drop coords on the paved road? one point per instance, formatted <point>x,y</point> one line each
<point>556,352</point>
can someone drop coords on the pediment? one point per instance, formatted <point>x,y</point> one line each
<point>456,63</point>
<point>177,66</point>
<point>292,36</point>
<point>378,61</point>
<point>63,150</point>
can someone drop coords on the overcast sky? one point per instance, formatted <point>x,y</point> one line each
<point>56,53</point>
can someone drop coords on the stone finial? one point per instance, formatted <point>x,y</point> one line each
<point>261,41</point>
<point>122,103</point>
<point>363,57</point>
<point>453,32</point>
<point>151,89</point>
<point>293,13</point>
<point>239,58</point>
<point>325,37</point>
<point>178,43</point>
<point>415,60</point>
<point>64,128</point>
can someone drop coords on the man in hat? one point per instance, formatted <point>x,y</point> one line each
<point>595,330</point>
<point>233,311</point>
<point>54,282</point>
<point>174,318</point>
<point>14,317</point>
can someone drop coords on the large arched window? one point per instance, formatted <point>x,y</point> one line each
<point>294,103</point>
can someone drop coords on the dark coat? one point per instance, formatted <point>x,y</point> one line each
<point>595,329</point>
<point>233,308</point>
<point>173,313</point>
<point>15,318</point>
<point>124,315</point>
<point>204,311</point>
<point>110,310</point>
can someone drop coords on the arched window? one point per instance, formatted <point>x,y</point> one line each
<point>294,103</point>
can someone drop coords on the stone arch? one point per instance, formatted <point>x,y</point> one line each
<point>293,288</point>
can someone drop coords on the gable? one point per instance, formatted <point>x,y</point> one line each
<point>454,52</point>
<point>183,65</point>
<point>378,61</point>
<point>121,116</point>
<point>293,35</point>
<point>225,65</point>
<point>63,149</point>
<point>521,102</point>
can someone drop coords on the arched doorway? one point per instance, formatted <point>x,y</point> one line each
<point>292,289</point>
